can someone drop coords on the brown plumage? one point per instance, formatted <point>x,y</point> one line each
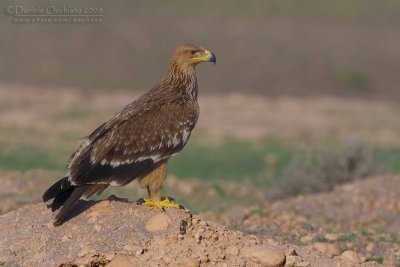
<point>138,141</point>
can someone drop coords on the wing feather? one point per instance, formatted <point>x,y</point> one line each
<point>134,142</point>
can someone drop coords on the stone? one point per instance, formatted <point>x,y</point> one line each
<point>125,261</point>
<point>265,255</point>
<point>328,249</point>
<point>331,236</point>
<point>109,256</point>
<point>303,264</point>
<point>290,252</point>
<point>291,260</point>
<point>203,223</point>
<point>232,250</point>
<point>189,263</point>
<point>351,255</point>
<point>158,222</point>
<point>139,252</point>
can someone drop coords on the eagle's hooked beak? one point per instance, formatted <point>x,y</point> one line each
<point>207,57</point>
<point>210,57</point>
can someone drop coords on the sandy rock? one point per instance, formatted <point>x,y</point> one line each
<point>303,264</point>
<point>149,235</point>
<point>351,255</point>
<point>139,252</point>
<point>109,256</point>
<point>28,241</point>
<point>189,263</point>
<point>232,250</point>
<point>203,223</point>
<point>290,252</point>
<point>291,260</point>
<point>327,249</point>
<point>125,261</point>
<point>265,255</point>
<point>158,222</point>
<point>331,236</point>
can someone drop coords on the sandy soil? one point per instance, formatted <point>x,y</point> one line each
<point>362,216</point>
<point>122,234</point>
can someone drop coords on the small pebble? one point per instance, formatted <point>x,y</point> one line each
<point>203,223</point>
<point>198,236</point>
<point>158,222</point>
<point>351,255</point>
<point>303,264</point>
<point>139,252</point>
<point>291,260</point>
<point>110,256</point>
<point>232,250</point>
<point>290,252</point>
<point>265,255</point>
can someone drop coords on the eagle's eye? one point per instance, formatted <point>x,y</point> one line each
<point>193,53</point>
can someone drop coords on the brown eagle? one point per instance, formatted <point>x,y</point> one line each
<point>138,141</point>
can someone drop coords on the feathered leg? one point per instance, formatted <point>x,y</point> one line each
<point>153,182</point>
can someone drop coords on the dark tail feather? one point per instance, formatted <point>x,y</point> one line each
<point>57,188</point>
<point>67,200</point>
<point>61,198</point>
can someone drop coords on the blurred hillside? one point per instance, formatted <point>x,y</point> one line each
<point>275,47</point>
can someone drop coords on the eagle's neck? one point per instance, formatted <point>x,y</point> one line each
<point>181,78</point>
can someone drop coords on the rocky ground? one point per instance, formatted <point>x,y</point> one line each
<point>357,221</point>
<point>363,216</point>
<point>117,233</point>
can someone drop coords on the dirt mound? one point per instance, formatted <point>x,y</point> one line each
<point>361,216</point>
<point>125,234</point>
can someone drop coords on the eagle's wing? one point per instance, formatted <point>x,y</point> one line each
<point>132,144</point>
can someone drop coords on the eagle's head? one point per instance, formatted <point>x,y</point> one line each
<point>190,55</point>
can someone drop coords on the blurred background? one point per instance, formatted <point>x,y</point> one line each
<point>304,96</point>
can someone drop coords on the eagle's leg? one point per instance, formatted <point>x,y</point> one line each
<point>153,182</point>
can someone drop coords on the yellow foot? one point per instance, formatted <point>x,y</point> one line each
<point>164,203</point>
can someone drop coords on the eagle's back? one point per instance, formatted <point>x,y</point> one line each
<point>143,135</point>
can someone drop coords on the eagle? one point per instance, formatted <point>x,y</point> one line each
<point>138,141</point>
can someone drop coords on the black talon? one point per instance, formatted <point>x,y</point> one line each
<point>140,201</point>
